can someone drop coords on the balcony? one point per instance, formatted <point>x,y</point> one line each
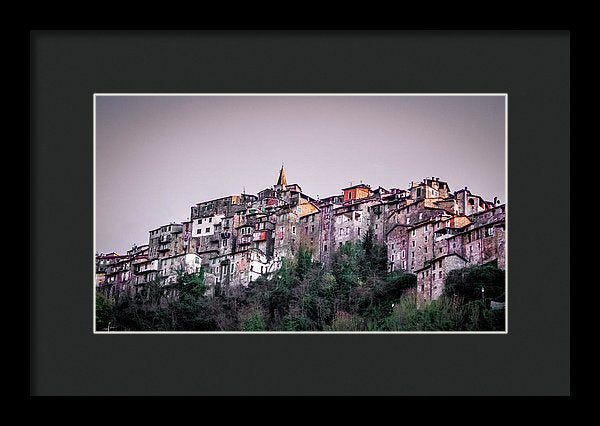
<point>164,239</point>
<point>164,248</point>
<point>245,239</point>
<point>144,268</point>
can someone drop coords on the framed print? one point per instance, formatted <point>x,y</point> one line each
<point>313,213</point>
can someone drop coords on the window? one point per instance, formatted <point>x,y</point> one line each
<point>207,230</point>
<point>408,220</point>
<point>440,274</point>
<point>414,232</point>
<point>358,231</point>
<point>392,257</point>
<point>403,254</point>
<point>413,243</point>
<point>293,230</point>
<point>325,248</point>
<point>420,216</point>
<point>199,221</point>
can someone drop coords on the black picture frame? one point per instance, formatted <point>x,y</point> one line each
<point>67,67</point>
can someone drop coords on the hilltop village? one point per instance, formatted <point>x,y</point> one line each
<point>428,231</point>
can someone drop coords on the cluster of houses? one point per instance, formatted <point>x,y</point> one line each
<point>428,230</point>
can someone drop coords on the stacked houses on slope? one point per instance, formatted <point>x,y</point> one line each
<point>428,230</point>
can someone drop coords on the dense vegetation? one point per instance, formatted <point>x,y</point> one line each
<point>356,293</point>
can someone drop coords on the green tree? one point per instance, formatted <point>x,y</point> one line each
<point>468,282</point>
<point>254,321</point>
<point>190,310</point>
<point>104,311</point>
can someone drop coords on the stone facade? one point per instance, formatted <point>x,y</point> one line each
<point>428,230</point>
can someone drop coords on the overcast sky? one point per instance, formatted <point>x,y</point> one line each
<point>156,156</point>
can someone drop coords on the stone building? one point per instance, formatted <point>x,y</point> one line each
<point>427,229</point>
<point>431,276</point>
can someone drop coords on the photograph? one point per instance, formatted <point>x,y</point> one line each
<point>300,213</point>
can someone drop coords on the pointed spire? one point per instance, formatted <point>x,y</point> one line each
<point>282,181</point>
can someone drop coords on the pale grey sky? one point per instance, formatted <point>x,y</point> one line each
<point>156,156</point>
